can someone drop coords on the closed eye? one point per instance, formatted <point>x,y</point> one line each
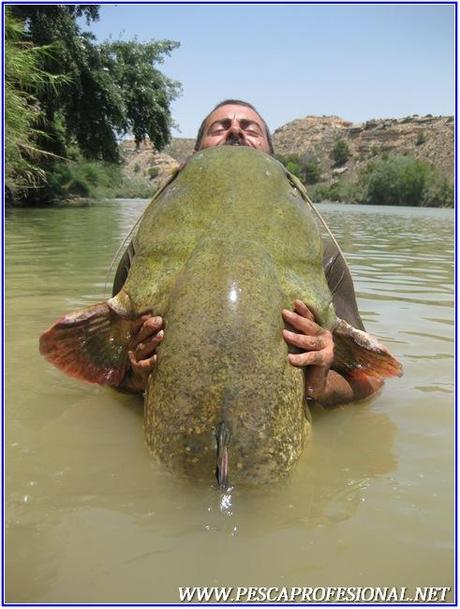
<point>219,127</point>
<point>251,127</point>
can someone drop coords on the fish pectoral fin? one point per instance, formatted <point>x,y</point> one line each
<point>89,344</point>
<point>357,352</point>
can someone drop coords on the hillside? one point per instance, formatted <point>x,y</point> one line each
<point>147,163</point>
<point>427,138</point>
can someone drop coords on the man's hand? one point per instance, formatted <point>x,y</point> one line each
<point>323,384</point>
<point>141,352</point>
<point>317,344</point>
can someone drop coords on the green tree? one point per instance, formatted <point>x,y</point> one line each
<point>304,167</point>
<point>402,180</point>
<point>291,162</point>
<point>396,181</point>
<point>24,81</point>
<point>311,171</point>
<point>340,153</point>
<point>110,90</point>
<point>147,93</point>
<point>56,25</point>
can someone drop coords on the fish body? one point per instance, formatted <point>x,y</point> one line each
<point>222,252</point>
<point>218,254</point>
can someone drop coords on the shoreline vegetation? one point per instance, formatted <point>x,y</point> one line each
<point>396,180</point>
<point>388,180</point>
<point>61,146</point>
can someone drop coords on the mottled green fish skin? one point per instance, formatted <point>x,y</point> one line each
<point>219,254</point>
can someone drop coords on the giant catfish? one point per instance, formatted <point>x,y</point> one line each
<point>218,254</point>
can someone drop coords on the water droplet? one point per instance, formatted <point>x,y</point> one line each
<point>226,502</point>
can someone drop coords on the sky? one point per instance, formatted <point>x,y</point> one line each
<point>292,60</point>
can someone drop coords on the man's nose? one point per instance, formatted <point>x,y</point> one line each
<point>235,127</point>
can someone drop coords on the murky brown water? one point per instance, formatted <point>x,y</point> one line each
<point>92,518</point>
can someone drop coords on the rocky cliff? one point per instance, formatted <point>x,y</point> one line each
<point>428,138</point>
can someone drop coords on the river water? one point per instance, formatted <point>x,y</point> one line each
<point>91,517</point>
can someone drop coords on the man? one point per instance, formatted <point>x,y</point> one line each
<point>237,123</point>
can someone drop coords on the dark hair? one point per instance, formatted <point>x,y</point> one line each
<point>234,102</point>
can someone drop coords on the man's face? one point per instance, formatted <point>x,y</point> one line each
<point>235,125</point>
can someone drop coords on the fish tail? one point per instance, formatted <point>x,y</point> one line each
<point>223,436</point>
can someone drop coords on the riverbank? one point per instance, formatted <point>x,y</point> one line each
<point>80,184</point>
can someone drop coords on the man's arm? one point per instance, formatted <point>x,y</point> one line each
<point>339,390</point>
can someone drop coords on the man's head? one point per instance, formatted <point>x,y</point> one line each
<point>234,122</point>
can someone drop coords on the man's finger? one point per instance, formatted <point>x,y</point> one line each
<point>150,326</point>
<point>304,325</point>
<point>139,321</point>
<point>143,366</point>
<point>303,310</point>
<point>310,358</point>
<point>147,347</point>
<point>309,343</point>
